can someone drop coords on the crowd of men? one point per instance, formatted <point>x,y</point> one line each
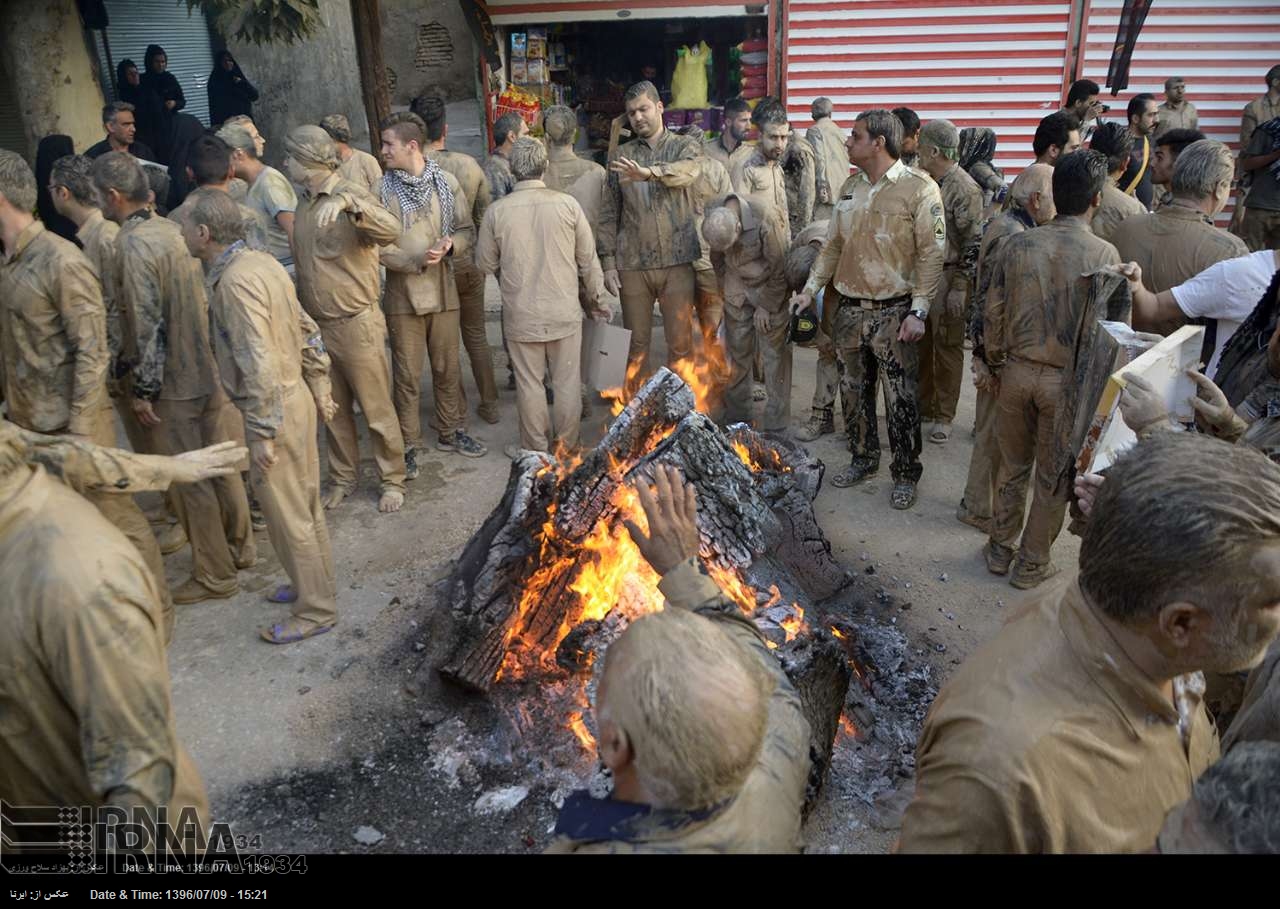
<point>269,302</point>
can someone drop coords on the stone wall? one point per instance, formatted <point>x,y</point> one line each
<point>427,45</point>
<point>301,83</point>
<point>46,63</point>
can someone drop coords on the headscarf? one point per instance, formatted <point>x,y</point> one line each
<point>311,147</point>
<point>977,143</point>
<point>153,51</point>
<point>186,130</point>
<point>130,94</point>
<point>338,128</point>
<point>50,149</point>
<point>227,98</point>
<point>414,193</point>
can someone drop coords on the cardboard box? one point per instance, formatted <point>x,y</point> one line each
<point>1164,364</point>
<point>604,354</point>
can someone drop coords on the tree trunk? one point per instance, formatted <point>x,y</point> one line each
<point>373,72</point>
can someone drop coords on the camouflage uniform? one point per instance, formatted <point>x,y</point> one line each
<point>497,173</point>
<point>752,275</point>
<point>648,233</point>
<point>942,347</point>
<point>470,282</point>
<point>273,364</point>
<point>877,284</point>
<point>765,814</point>
<point>1037,296</point>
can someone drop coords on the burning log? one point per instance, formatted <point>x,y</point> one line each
<point>555,553</point>
<point>817,666</point>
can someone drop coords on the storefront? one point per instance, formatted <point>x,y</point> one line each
<point>586,54</point>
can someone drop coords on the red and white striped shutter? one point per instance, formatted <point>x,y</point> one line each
<point>999,63</point>
<point>1223,50</point>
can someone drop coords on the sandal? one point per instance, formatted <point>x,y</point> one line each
<point>941,433</point>
<point>283,594</point>
<point>281,633</point>
<point>853,474</point>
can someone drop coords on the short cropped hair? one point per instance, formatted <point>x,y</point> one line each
<point>528,159</point>
<point>1179,518</point>
<point>692,703</point>
<point>116,107</point>
<point>821,107</point>
<point>17,181</point>
<point>1172,81</point>
<point>1054,129</point>
<point>220,214</point>
<point>122,172</point>
<point>1201,168</point>
<point>909,119</point>
<point>74,173</point>
<point>1178,139</point>
<point>338,127</point>
<point>506,126</point>
<point>887,125</point>
<point>1112,140</point>
<point>1138,104</point>
<point>1075,187</point>
<point>408,127</point>
<point>644,87</point>
<point>238,139</point>
<point>209,160</point>
<point>1081,90</point>
<point>942,135</point>
<point>735,106</point>
<point>559,123</point>
<point>431,108</point>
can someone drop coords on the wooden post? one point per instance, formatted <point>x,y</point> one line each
<point>373,72</point>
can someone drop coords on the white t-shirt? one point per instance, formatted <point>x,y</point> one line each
<point>1227,291</point>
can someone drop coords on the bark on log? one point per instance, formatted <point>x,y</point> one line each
<point>817,666</point>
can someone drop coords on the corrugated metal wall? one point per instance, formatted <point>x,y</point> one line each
<point>185,39</point>
<point>1223,50</point>
<point>999,63</point>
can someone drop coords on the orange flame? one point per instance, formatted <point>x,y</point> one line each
<point>837,632</point>
<point>847,727</point>
<point>734,587</point>
<point>793,625</point>
<point>578,727</point>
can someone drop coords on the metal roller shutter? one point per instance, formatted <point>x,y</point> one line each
<point>185,39</point>
<point>519,12</point>
<point>1222,50</point>
<point>999,63</point>
<point>12,137</point>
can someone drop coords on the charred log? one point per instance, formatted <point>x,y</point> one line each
<point>820,672</point>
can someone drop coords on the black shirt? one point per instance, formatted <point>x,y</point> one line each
<point>137,149</point>
<point>1144,192</point>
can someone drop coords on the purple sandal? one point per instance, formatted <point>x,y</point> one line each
<point>283,594</point>
<point>279,634</point>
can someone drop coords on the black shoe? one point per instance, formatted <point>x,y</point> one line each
<point>854,473</point>
<point>511,381</point>
<point>410,464</point>
<point>903,495</point>
<point>463,444</point>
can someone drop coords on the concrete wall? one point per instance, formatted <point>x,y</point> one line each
<point>301,83</point>
<point>427,44</point>
<point>47,65</point>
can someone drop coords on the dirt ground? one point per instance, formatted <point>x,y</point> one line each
<point>303,746</point>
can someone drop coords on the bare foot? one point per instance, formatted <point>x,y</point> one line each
<point>391,501</point>
<point>335,495</point>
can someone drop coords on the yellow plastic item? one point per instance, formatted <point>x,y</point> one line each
<point>689,82</point>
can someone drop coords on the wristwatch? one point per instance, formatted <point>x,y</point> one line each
<point>919,314</point>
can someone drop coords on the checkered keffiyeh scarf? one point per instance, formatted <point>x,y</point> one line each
<point>414,194</point>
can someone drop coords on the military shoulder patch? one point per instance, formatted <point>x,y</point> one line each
<point>939,228</point>
<point>936,209</point>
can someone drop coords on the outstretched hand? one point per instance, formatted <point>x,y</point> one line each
<point>672,513</point>
<point>218,460</point>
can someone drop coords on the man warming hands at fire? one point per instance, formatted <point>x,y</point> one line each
<point>698,723</point>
